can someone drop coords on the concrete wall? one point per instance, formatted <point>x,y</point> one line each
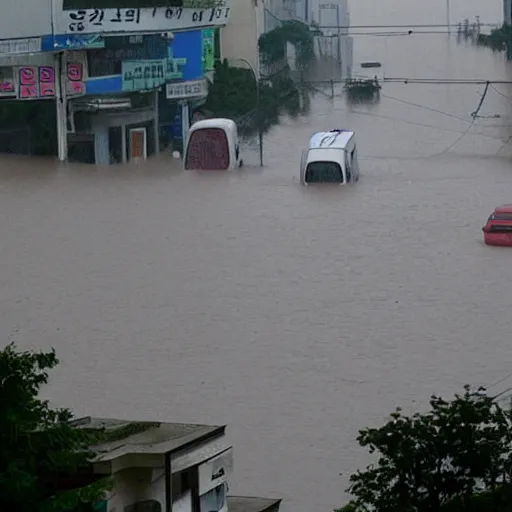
<point>25,18</point>
<point>134,485</point>
<point>507,12</point>
<point>239,38</point>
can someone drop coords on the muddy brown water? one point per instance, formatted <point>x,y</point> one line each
<point>296,316</point>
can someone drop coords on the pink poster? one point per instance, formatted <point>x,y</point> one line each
<point>75,72</point>
<point>28,76</point>
<point>75,88</point>
<point>7,86</point>
<point>46,75</point>
<point>46,90</point>
<point>29,91</point>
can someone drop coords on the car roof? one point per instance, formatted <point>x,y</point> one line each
<point>505,209</point>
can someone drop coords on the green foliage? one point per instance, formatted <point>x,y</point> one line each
<point>233,94</point>
<point>272,44</point>
<point>499,40</point>
<point>454,457</point>
<point>39,449</point>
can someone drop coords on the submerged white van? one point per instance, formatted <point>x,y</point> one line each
<point>330,158</point>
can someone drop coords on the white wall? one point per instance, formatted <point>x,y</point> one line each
<point>507,12</point>
<point>134,485</point>
<point>25,18</point>
<point>239,38</point>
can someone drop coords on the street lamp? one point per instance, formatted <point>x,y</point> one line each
<point>258,113</point>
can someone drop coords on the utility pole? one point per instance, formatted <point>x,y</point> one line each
<point>338,24</point>
<point>448,17</point>
<point>259,115</point>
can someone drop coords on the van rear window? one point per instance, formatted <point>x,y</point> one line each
<point>207,149</point>
<point>500,228</point>
<point>502,216</point>
<point>323,172</point>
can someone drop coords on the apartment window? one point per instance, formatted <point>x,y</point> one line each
<point>180,485</point>
<point>69,5</point>
<point>213,500</point>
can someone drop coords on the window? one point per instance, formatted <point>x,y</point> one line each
<point>69,5</point>
<point>208,149</point>
<point>213,500</point>
<point>180,484</point>
<point>323,172</point>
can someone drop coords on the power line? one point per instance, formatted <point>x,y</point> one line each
<point>500,93</point>
<point>424,81</point>
<point>430,109</point>
<point>442,25</point>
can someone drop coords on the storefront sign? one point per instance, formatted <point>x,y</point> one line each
<point>185,90</point>
<point>143,75</point>
<point>215,471</point>
<point>156,19</point>
<point>173,67</point>
<point>72,42</point>
<point>17,46</point>
<point>208,49</point>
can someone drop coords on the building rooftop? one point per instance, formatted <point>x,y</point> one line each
<point>122,437</point>
<point>252,504</point>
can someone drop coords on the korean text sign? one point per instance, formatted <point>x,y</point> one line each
<point>143,75</point>
<point>90,21</point>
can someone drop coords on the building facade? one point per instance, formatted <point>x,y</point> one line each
<point>507,12</point>
<point>122,79</point>
<point>166,467</point>
<point>239,38</point>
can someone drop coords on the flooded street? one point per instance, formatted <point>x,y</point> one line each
<point>296,316</point>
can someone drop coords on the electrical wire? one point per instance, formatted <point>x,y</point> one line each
<point>430,109</point>
<point>500,93</point>
<point>424,81</point>
<point>409,25</point>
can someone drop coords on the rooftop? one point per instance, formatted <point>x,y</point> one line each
<point>122,437</point>
<point>334,139</point>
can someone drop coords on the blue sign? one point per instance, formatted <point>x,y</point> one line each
<point>189,46</point>
<point>72,42</point>
<point>185,54</point>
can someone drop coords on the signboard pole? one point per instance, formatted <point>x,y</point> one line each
<point>61,106</point>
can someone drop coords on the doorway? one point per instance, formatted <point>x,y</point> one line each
<point>138,144</point>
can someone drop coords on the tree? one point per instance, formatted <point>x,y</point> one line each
<point>457,456</point>
<point>44,461</point>
<point>234,94</point>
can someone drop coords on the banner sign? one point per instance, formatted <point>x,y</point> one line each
<point>146,19</point>
<point>185,90</point>
<point>19,46</point>
<point>143,75</point>
<point>208,58</point>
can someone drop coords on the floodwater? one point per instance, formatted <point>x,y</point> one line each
<point>296,316</point>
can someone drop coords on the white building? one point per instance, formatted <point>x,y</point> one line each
<point>507,12</point>
<point>239,38</point>
<point>333,18</point>
<point>167,467</point>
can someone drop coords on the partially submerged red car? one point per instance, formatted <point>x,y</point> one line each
<point>498,230</point>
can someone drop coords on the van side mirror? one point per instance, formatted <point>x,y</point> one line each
<point>237,151</point>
